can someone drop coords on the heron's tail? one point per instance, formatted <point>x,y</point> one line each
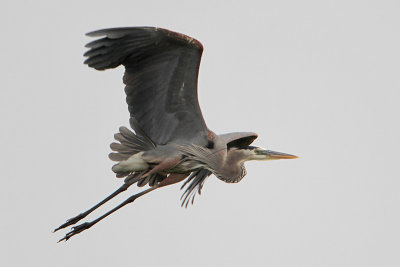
<point>129,144</point>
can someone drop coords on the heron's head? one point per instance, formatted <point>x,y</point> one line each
<point>259,153</point>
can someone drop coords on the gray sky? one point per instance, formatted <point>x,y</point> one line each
<point>319,79</point>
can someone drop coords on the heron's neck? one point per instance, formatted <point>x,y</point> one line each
<point>233,169</point>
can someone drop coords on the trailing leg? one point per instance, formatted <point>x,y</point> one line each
<point>128,182</point>
<point>171,179</point>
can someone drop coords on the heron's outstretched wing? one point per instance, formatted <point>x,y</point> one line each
<point>161,71</point>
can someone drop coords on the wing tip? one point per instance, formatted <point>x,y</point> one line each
<point>118,32</point>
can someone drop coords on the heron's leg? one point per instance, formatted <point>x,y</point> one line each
<point>87,225</point>
<point>74,220</point>
<point>171,179</point>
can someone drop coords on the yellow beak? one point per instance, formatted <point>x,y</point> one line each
<point>277,155</point>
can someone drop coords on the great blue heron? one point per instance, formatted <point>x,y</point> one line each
<point>171,141</point>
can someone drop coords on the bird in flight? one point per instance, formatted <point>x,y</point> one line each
<point>170,141</point>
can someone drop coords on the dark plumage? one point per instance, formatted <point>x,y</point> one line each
<point>161,70</point>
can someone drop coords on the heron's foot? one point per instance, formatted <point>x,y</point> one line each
<point>76,230</point>
<point>72,221</point>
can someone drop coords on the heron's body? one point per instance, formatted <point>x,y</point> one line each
<point>170,141</point>
<point>187,158</point>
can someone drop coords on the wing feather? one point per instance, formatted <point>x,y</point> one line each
<point>161,72</point>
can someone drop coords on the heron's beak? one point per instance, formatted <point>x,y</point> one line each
<point>273,155</point>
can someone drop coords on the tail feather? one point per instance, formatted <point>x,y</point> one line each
<point>139,131</point>
<point>128,144</point>
<point>131,142</point>
<point>128,136</point>
<point>120,147</point>
<point>122,174</point>
<point>118,156</point>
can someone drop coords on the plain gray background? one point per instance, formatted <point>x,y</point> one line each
<point>319,79</point>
